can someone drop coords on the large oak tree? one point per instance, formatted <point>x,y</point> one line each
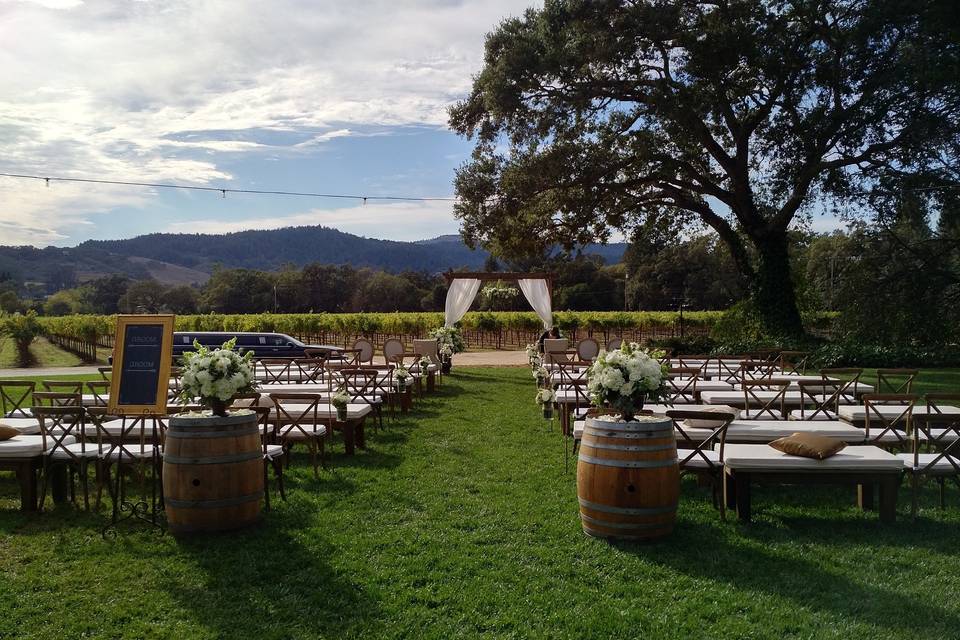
<point>745,116</point>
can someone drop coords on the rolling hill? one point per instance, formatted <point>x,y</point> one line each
<point>189,258</point>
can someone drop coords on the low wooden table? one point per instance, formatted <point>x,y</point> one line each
<point>863,466</point>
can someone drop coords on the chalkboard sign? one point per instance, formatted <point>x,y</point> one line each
<point>142,353</point>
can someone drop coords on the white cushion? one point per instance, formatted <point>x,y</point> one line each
<point>578,427</point>
<point>758,414</point>
<point>78,450</point>
<point>128,453</point>
<point>26,426</point>
<point>27,446</point>
<point>942,466</point>
<point>293,432</point>
<point>708,424</point>
<point>941,435</point>
<point>763,431</point>
<point>808,415</point>
<point>273,451</point>
<point>762,457</point>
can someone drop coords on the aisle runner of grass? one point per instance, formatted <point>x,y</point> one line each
<point>459,521</point>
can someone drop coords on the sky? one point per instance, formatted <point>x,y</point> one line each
<point>299,95</point>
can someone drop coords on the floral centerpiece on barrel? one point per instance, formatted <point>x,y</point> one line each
<point>213,378</point>
<point>624,378</point>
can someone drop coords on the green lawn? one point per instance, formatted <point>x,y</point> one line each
<point>459,521</point>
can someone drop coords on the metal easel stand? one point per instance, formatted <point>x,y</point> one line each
<point>126,512</point>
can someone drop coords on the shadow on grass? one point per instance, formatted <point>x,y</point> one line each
<point>770,555</point>
<point>273,581</point>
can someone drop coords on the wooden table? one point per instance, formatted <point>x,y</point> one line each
<point>864,466</point>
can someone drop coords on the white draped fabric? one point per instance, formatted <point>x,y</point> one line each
<point>538,295</point>
<point>460,296</point>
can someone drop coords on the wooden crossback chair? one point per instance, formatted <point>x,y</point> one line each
<point>941,432</point>
<point>888,430</point>
<point>273,452</point>
<point>729,368</point>
<point>794,362</point>
<point>895,380</point>
<point>309,369</point>
<point>766,354</point>
<point>835,387</point>
<point>702,453</point>
<point>274,370</point>
<point>105,372</point>
<point>943,426</point>
<point>757,408</point>
<point>15,398</point>
<point>694,362</point>
<point>755,370</point>
<point>56,399</point>
<point>297,419</point>
<point>62,386</point>
<point>361,384</point>
<point>65,442</point>
<point>682,385</point>
<point>100,390</point>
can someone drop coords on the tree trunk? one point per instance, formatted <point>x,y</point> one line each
<point>772,286</point>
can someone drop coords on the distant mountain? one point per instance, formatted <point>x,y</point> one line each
<point>189,258</point>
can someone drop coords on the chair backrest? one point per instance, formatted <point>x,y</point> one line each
<point>555,350</point>
<point>105,372</point>
<point>15,398</point>
<point>695,442</point>
<point>895,380</point>
<point>274,370</point>
<point>818,398</point>
<point>755,370</point>
<point>427,347</point>
<point>700,362</point>
<point>581,394</point>
<point>365,349</point>
<point>849,376</point>
<point>245,400</point>
<point>614,343</point>
<point>62,386</point>
<point>794,362</point>
<point>762,408</point>
<point>360,383</point>
<point>571,371</point>
<point>587,349</point>
<point>941,432</point>
<point>56,399</point>
<point>309,369</point>
<point>57,424</point>
<point>682,385</point>
<point>100,389</point>
<point>888,413</point>
<point>299,412</point>
<point>392,348</point>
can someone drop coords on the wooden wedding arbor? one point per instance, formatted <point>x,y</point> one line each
<point>493,276</point>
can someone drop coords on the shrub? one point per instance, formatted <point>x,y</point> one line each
<point>22,328</point>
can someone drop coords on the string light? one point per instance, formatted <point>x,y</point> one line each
<point>223,190</point>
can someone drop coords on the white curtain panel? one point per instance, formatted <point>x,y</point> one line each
<point>460,296</point>
<point>538,295</point>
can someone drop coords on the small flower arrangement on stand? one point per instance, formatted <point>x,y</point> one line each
<point>624,378</point>
<point>545,398</point>
<point>423,364</point>
<point>533,353</point>
<point>340,400</point>
<point>402,376</point>
<point>213,378</point>
<point>541,375</point>
<point>450,342</point>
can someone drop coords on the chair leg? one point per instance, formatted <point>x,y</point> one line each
<point>278,472</point>
<point>914,490</point>
<point>44,481</point>
<point>266,486</point>
<point>313,459</point>
<point>943,488</point>
<point>84,483</point>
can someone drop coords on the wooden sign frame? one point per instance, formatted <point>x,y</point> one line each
<point>159,407</point>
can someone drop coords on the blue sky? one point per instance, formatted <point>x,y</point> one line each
<point>288,95</point>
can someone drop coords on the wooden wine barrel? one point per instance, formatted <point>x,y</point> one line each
<point>628,481</point>
<point>212,473</point>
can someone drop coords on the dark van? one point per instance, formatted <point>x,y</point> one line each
<point>263,345</point>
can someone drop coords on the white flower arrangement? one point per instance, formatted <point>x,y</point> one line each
<point>401,373</point>
<point>214,377</point>
<point>449,336</point>
<point>545,397</point>
<point>446,350</point>
<point>625,377</point>
<point>541,373</point>
<point>532,351</point>
<point>340,400</point>
<point>424,364</point>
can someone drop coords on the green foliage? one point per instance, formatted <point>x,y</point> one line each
<point>595,116</point>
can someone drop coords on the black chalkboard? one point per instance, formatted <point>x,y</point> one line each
<point>140,363</point>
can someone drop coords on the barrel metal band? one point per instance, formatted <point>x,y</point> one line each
<point>644,511</point>
<point>623,525</point>
<point>213,504</point>
<point>626,435</point>
<point>630,464</point>
<point>629,447</point>
<point>234,457</point>
<point>249,431</point>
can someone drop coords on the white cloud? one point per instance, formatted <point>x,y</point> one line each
<point>406,220</point>
<point>113,88</point>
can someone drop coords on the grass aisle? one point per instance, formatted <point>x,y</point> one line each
<point>459,521</point>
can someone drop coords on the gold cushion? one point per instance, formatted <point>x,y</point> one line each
<point>809,445</point>
<point>7,432</point>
